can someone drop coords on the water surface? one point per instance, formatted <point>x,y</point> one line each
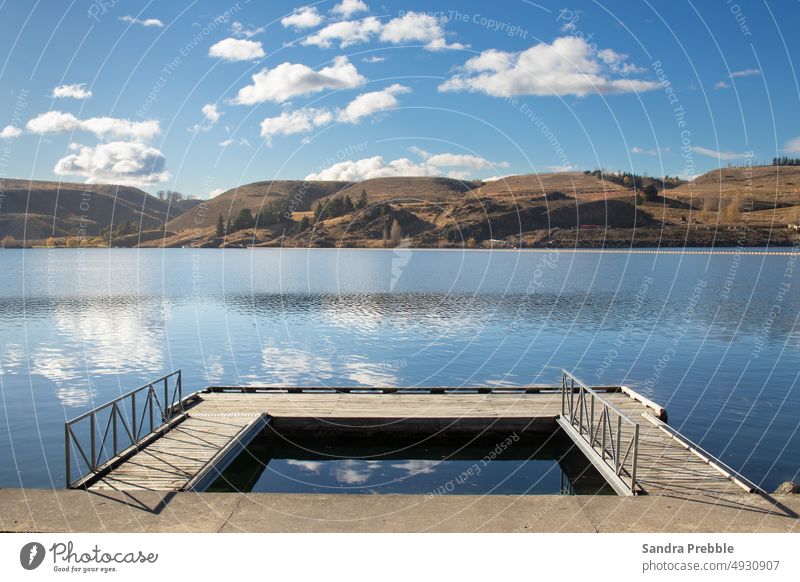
<point>714,338</point>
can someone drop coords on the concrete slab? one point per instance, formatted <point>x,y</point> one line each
<point>37,510</point>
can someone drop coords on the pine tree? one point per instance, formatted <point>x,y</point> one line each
<point>396,233</point>
<point>220,226</point>
<point>347,206</point>
<point>304,224</point>
<point>362,200</point>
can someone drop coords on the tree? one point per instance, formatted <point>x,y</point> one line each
<point>8,241</point>
<point>347,205</point>
<point>396,233</point>
<point>650,193</point>
<point>362,200</point>
<point>220,226</point>
<point>243,220</point>
<point>304,224</point>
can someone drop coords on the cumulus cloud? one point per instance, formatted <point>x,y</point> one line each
<point>117,162</point>
<point>790,147</point>
<point>568,66</point>
<point>289,80</point>
<point>146,22</point>
<point>236,49</point>
<point>368,103</point>
<point>239,30</point>
<point>412,27</point>
<point>650,151</point>
<point>292,122</point>
<point>10,132</point>
<point>346,8</point>
<point>211,115</point>
<point>721,85</point>
<point>417,27</point>
<point>59,122</point>
<point>717,154</point>
<point>75,91</point>
<point>460,166</point>
<point>302,18</point>
<point>345,33</point>
<point>373,59</point>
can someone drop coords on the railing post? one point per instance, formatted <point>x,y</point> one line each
<point>603,417</point>
<point>618,449</point>
<point>133,410</point>
<point>563,391</point>
<point>180,390</point>
<point>92,458</point>
<point>165,412</point>
<point>150,395</point>
<point>67,447</point>
<point>635,458</point>
<point>114,423</point>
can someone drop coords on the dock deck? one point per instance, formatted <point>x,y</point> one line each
<point>217,423</point>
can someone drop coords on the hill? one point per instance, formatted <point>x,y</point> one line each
<point>33,210</point>
<point>296,195</point>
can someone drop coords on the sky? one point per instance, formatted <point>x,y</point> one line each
<point>201,96</point>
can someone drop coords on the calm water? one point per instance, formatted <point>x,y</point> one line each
<point>432,466</point>
<point>713,338</point>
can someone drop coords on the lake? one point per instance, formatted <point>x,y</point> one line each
<point>713,338</point>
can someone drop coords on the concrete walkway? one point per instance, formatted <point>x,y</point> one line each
<point>37,510</point>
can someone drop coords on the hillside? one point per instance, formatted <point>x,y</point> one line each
<point>555,209</point>
<point>297,194</point>
<point>38,210</point>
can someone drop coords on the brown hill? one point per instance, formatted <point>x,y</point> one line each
<point>299,195</point>
<point>410,189</point>
<point>576,184</point>
<point>37,210</point>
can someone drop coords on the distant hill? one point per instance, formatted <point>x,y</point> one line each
<point>410,189</point>
<point>297,193</point>
<point>37,210</point>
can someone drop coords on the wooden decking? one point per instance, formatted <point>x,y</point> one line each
<point>666,467</point>
<point>175,459</point>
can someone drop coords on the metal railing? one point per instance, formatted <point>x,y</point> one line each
<point>607,431</point>
<point>127,421</point>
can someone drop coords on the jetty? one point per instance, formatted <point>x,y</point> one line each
<point>155,438</point>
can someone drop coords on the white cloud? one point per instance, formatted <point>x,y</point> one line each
<point>146,22</point>
<point>412,27</point>
<point>211,112</point>
<point>650,151</point>
<point>289,80</point>
<point>345,33</point>
<point>417,27</point>
<point>568,66</point>
<point>460,166</point>
<point>211,116</point>
<point>563,168</point>
<point>346,8</point>
<point>291,122</point>
<point>368,103</point>
<point>236,49</point>
<point>216,192</point>
<point>721,85</point>
<point>373,59</point>
<point>301,18</point>
<point>792,146</point>
<point>241,31</point>
<point>226,142</point>
<point>58,122</point>
<point>75,91</point>
<point>10,132</point>
<point>117,162</point>
<point>717,154</point>
<point>746,73</point>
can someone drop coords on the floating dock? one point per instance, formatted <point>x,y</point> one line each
<point>155,439</point>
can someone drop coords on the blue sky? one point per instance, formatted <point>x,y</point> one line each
<point>201,96</point>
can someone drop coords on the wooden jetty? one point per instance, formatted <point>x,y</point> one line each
<point>155,439</point>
